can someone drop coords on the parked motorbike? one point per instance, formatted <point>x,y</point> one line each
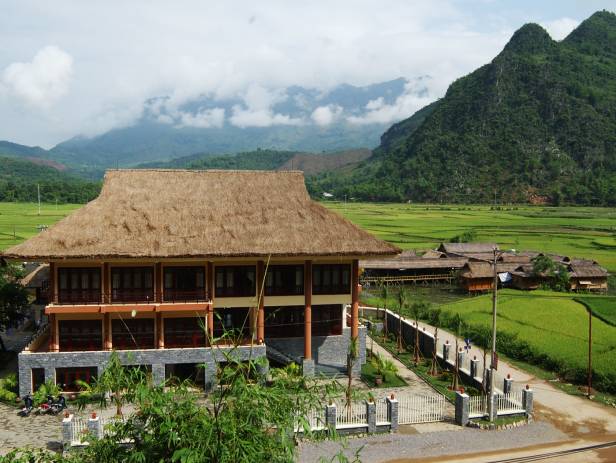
<point>28,406</point>
<point>58,405</point>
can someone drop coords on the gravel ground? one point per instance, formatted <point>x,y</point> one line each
<point>412,443</point>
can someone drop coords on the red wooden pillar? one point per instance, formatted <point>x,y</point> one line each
<point>355,299</point>
<point>52,283</point>
<point>308,310</point>
<point>53,333</point>
<point>210,309</point>
<point>261,299</point>
<point>107,339</point>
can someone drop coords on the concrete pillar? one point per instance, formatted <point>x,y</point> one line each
<point>25,379</point>
<point>507,383</point>
<point>462,408</point>
<point>261,307</point>
<point>371,416</point>
<point>308,367</point>
<point>527,400</point>
<point>210,371</point>
<point>492,407</point>
<point>158,374</point>
<point>67,431</point>
<point>392,413</point>
<point>460,358</point>
<point>474,367</point>
<point>95,427</point>
<point>446,348</point>
<point>308,310</point>
<point>330,416</point>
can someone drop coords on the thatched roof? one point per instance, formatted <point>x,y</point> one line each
<point>413,264</point>
<point>467,248</point>
<point>432,254</point>
<point>587,271</point>
<point>486,269</point>
<point>181,213</point>
<point>36,278</point>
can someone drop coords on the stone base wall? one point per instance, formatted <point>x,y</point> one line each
<point>326,350</point>
<point>157,358</point>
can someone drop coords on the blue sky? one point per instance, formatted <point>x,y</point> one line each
<point>70,67</point>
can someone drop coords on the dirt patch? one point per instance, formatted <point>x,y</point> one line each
<point>575,429</point>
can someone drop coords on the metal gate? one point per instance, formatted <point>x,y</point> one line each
<point>414,409</point>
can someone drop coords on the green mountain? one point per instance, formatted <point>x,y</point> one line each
<point>20,180</point>
<point>536,124</point>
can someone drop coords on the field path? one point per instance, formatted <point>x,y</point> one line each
<point>573,415</point>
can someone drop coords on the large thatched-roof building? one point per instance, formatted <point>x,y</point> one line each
<point>164,262</point>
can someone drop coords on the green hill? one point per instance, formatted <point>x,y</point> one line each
<point>537,124</point>
<point>19,179</point>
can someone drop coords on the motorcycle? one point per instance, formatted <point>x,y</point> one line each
<point>28,406</point>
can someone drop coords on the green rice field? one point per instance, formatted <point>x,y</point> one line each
<point>20,221</point>
<point>583,232</point>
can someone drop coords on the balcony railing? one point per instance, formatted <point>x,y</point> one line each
<point>132,295</point>
<point>79,296</point>
<point>174,295</point>
<point>84,297</point>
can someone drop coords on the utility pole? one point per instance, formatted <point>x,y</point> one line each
<point>38,191</point>
<point>491,411</point>
<point>589,353</point>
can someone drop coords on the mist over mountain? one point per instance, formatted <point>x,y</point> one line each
<point>536,124</point>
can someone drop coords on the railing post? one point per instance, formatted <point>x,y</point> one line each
<point>95,427</point>
<point>330,416</point>
<point>507,382</point>
<point>462,408</point>
<point>492,407</point>
<point>474,367</point>
<point>460,355</point>
<point>158,374</point>
<point>371,415</point>
<point>392,413</point>
<point>67,431</point>
<point>527,400</point>
<point>446,347</point>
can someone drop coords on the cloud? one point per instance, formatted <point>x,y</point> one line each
<point>42,81</point>
<point>257,109</point>
<point>206,118</point>
<point>416,95</point>
<point>325,115</point>
<point>560,28</point>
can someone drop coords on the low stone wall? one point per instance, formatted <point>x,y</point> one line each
<point>157,358</point>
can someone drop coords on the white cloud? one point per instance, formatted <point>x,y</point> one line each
<point>257,111</point>
<point>205,119</point>
<point>416,95</point>
<point>325,115</point>
<point>42,81</point>
<point>560,28</point>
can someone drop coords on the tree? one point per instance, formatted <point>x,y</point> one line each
<point>402,304</point>
<point>417,310</point>
<point>117,382</point>
<point>458,325</point>
<point>385,296</point>
<point>555,273</point>
<point>13,298</point>
<point>435,321</point>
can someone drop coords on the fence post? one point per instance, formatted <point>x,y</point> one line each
<point>474,367</point>
<point>94,427</point>
<point>158,374</point>
<point>67,430</point>
<point>507,382</point>
<point>330,416</point>
<point>527,400</point>
<point>460,358</point>
<point>392,413</point>
<point>446,351</point>
<point>371,415</point>
<point>462,408</point>
<point>492,407</point>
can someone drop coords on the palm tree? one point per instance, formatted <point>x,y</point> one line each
<point>435,321</point>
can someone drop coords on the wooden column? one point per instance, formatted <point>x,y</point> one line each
<point>159,282</point>
<point>107,339</point>
<point>106,284</point>
<point>210,310</point>
<point>308,310</point>
<point>261,299</point>
<point>52,283</point>
<point>355,299</point>
<point>160,331</point>
<point>53,333</point>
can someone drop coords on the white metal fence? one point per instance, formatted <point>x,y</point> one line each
<point>382,416</point>
<point>477,406</point>
<point>79,430</point>
<point>351,416</point>
<point>420,409</point>
<point>510,404</point>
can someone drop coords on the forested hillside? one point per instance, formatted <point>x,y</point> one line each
<point>19,179</point>
<point>536,124</point>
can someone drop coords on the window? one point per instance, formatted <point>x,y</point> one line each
<point>233,322</point>
<point>331,279</point>
<point>132,284</point>
<point>235,281</point>
<point>78,335</point>
<point>184,332</point>
<point>284,280</point>
<point>326,320</point>
<point>67,378</point>
<point>184,284</point>
<point>132,333</point>
<point>284,322</point>
<point>79,285</point>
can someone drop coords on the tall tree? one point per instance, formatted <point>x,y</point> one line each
<point>13,298</point>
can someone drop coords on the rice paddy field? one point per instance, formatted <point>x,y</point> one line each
<point>584,232</point>
<point>20,221</point>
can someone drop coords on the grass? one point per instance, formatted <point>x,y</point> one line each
<point>501,421</point>
<point>20,221</point>
<point>585,232</point>
<point>368,374</point>
<point>548,328</point>
<point>603,308</point>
